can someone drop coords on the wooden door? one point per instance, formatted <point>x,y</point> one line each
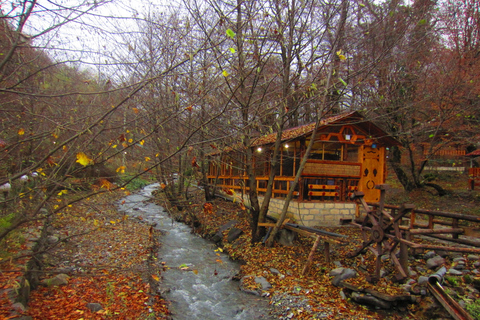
<point>373,172</point>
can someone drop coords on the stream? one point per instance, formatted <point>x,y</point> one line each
<point>205,291</point>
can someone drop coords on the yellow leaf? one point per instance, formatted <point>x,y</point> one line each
<point>83,159</point>
<point>147,159</point>
<point>112,221</point>
<point>195,271</point>
<point>142,142</point>
<point>219,261</point>
<point>64,148</point>
<point>135,110</point>
<point>124,145</point>
<point>106,184</point>
<point>225,73</point>
<point>130,140</point>
<point>63,192</point>
<point>155,277</point>
<point>121,169</point>
<point>114,146</point>
<point>54,135</point>
<point>95,222</point>
<point>21,132</point>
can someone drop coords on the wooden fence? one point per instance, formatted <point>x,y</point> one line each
<point>473,178</point>
<point>440,225</point>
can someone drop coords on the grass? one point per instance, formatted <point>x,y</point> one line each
<point>459,198</point>
<point>136,183</point>
<point>11,243</point>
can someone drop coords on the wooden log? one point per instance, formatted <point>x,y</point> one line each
<point>433,231</point>
<point>461,241</point>
<point>435,221</point>
<point>314,235</point>
<point>459,216</point>
<point>437,247</point>
<point>310,256</point>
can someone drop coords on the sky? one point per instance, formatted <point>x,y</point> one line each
<point>94,39</point>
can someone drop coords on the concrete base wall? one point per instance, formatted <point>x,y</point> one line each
<point>312,214</point>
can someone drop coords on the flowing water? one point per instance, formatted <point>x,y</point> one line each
<point>205,290</point>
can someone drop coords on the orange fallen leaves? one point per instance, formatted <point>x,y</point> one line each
<point>119,299</point>
<point>112,280</point>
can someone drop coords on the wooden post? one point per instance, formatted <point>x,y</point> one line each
<point>404,256</point>
<point>310,256</point>
<point>454,226</point>
<point>327,251</point>
<point>378,263</point>
<point>412,218</point>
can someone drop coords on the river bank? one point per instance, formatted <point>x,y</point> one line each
<point>196,276</point>
<point>314,295</point>
<point>104,262</point>
<point>293,295</point>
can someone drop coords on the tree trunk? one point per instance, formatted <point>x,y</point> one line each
<point>402,176</point>
<point>275,163</point>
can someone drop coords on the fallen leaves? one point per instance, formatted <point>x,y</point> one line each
<point>257,260</point>
<point>109,266</point>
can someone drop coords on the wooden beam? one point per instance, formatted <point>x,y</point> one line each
<point>310,256</point>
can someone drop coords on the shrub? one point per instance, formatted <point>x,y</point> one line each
<point>136,183</point>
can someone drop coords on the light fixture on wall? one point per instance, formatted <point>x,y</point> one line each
<point>286,146</point>
<point>259,149</point>
<point>347,133</point>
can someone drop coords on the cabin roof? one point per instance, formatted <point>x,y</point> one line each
<point>475,153</point>
<point>349,118</point>
<point>353,118</point>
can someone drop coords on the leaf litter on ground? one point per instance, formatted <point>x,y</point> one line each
<point>110,259</point>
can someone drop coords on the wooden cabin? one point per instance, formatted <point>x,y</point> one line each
<point>348,154</point>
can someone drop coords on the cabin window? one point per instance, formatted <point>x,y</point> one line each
<point>351,153</point>
<point>262,162</point>
<point>288,162</point>
<point>327,151</point>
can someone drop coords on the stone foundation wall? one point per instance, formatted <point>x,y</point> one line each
<point>311,214</point>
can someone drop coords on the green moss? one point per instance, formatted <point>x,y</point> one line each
<point>474,309</point>
<point>453,281</point>
<point>467,279</point>
<point>136,183</point>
